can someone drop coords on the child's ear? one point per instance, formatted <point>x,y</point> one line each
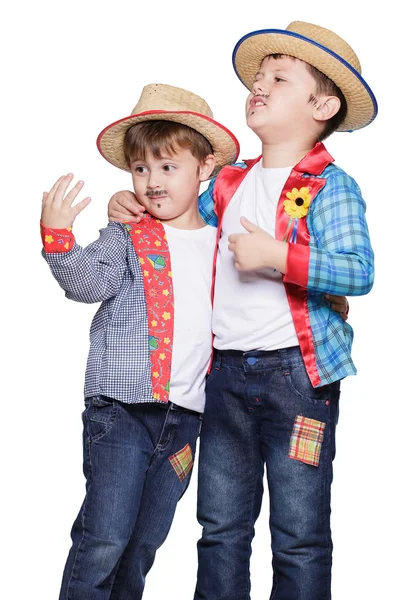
<point>326,108</point>
<point>206,167</point>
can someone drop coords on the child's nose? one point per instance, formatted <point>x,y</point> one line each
<point>259,87</point>
<point>153,181</point>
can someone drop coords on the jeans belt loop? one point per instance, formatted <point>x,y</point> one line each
<point>284,358</point>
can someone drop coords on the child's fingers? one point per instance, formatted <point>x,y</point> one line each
<point>71,196</point>
<point>125,203</point>
<point>80,206</point>
<point>45,196</point>
<point>61,188</point>
<point>339,303</point>
<point>120,217</point>
<point>52,191</point>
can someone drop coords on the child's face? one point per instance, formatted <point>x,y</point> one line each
<point>168,187</point>
<point>278,107</point>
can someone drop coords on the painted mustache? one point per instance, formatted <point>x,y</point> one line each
<point>155,193</point>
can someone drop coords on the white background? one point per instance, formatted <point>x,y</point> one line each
<point>69,69</point>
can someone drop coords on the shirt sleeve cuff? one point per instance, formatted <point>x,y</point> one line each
<point>297,265</point>
<point>56,241</point>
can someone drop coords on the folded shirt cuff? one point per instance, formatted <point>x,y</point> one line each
<point>297,265</point>
<point>56,241</point>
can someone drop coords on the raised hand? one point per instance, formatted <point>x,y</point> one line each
<point>123,206</point>
<point>57,211</point>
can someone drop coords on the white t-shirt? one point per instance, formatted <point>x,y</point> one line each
<point>192,253</point>
<point>251,310</point>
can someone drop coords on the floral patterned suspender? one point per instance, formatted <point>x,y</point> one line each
<point>151,246</point>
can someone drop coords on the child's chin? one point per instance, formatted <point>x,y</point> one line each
<point>254,121</point>
<point>162,213</point>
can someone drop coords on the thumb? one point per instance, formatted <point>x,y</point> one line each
<point>248,225</point>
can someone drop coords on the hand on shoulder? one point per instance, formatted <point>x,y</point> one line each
<point>123,206</point>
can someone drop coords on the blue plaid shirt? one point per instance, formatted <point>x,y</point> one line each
<point>341,262</point>
<point>108,271</point>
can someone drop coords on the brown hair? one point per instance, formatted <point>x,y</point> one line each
<point>325,86</point>
<point>161,137</point>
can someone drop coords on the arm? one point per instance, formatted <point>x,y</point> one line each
<point>342,262</point>
<point>124,206</point>
<point>87,275</point>
<point>206,205</point>
<point>91,274</point>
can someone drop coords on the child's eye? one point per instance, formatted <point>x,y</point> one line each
<point>279,79</point>
<point>140,169</point>
<point>169,168</point>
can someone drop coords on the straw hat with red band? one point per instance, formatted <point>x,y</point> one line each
<point>320,48</point>
<point>160,102</point>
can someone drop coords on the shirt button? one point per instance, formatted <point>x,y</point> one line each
<point>251,360</point>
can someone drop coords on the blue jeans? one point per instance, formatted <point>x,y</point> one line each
<point>254,402</point>
<point>137,464</point>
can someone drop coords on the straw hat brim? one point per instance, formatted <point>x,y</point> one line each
<point>224,143</point>
<point>251,50</point>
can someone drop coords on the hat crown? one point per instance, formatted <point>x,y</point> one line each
<point>328,39</point>
<point>161,102</point>
<point>159,96</point>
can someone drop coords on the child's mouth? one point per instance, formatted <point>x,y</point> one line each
<point>157,195</point>
<point>257,101</point>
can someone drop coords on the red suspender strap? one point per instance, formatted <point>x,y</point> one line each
<point>149,241</point>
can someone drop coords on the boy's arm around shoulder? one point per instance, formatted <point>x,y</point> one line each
<point>206,204</point>
<point>206,199</point>
<point>91,274</point>
<point>341,261</point>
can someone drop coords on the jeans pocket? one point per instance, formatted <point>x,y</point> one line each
<point>182,462</point>
<point>299,383</point>
<point>306,440</point>
<point>100,416</point>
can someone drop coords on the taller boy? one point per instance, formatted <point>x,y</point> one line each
<point>272,395</point>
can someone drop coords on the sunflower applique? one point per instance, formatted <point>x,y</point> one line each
<point>296,207</point>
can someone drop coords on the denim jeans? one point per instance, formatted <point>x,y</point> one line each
<point>137,464</point>
<point>255,402</point>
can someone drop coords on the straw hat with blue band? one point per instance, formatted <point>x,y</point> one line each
<point>320,48</point>
<point>161,102</point>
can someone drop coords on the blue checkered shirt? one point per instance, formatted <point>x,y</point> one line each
<point>341,262</point>
<point>108,271</point>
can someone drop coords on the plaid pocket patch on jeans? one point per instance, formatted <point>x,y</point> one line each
<point>306,440</point>
<point>182,462</point>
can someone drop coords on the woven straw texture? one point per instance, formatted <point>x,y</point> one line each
<point>174,104</point>
<point>250,54</point>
